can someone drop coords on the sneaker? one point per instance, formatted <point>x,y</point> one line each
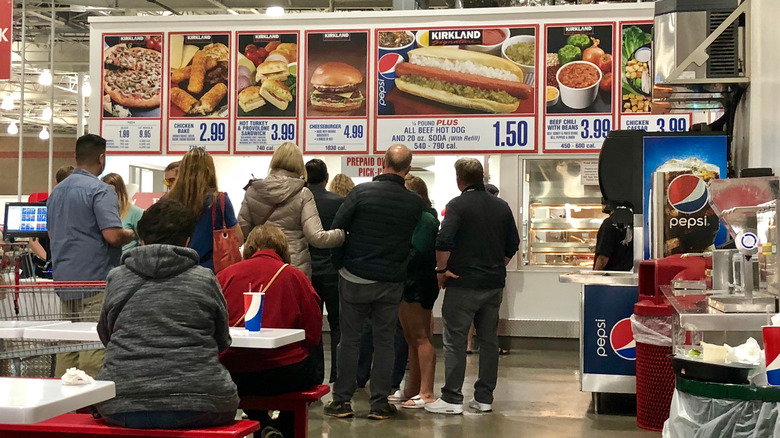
<point>339,409</point>
<point>442,407</point>
<point>481,407</point>
<point>270,432</point>
<point>383,414</point>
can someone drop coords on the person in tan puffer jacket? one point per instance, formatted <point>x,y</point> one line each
<point>282,200</point>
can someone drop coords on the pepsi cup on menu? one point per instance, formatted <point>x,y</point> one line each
<point>772,351</point>
<point>253,310</point>
<point>393,47</point>
<point>690,224</point>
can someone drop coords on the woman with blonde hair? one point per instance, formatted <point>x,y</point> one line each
<point>341,185</point>
<point>196,188</point>
<point>128,212</point>
<point>282,200</point>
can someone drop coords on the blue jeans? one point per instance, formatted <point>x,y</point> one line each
<point>170,419</point>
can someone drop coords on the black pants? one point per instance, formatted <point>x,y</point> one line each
<point>327,287</point>
<point>300,376</point>
<point>367,353</point>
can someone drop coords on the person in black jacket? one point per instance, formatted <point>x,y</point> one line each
<point>478,238</point>
<point>380,218</point>
<point>324,277</point>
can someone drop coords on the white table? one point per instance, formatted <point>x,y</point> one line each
<point>14,329</point>
<point>28,400</point>
<point>87,331</point>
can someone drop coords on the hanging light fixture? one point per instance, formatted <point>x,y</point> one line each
<point>44,134</point>
<point>45,78</point>
<point>274,11</point>
<point>8,103</point>
<point>86,89</point>
<point>46,115</point>
<point>13,129</point>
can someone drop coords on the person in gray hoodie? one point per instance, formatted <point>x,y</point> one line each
<point>164,322</point>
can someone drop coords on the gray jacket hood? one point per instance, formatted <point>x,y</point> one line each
<point>278,186</point>
<point>160,261</point>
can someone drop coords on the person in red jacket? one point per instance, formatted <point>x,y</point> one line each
<point>290,303</point>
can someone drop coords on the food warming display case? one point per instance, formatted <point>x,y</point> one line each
<point>564,212</point>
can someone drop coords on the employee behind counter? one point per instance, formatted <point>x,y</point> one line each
<point>614,242</point>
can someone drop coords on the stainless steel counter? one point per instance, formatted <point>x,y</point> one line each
<point>604,278</point>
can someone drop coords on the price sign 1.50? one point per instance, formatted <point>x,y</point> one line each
<point>511,133</point>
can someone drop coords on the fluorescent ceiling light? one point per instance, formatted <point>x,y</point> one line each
<point>8,103</point>
<point>46,115</point>
<point>274,11</point>
<point>44,134</point>
<point>45,78</point>
<point>13,129</point>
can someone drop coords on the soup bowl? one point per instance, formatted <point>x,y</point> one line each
<point>572,95</point>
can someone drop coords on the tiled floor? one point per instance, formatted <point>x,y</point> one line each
<point>537,396</point>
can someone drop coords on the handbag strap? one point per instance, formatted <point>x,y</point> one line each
<point>220,200</point>
<point>240,320</point>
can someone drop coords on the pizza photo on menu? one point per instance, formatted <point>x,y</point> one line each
<point>199,71</point>
<point>132,76</point>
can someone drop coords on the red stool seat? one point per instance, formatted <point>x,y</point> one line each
<point>84,426</point>
<point>297,402</point>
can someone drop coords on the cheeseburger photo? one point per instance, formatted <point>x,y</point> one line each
<point>463,78</point>
<point>335,86</point>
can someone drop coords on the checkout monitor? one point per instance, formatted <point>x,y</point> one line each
<point>25,219</point>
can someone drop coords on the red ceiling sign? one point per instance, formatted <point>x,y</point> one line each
<point>6,25</point>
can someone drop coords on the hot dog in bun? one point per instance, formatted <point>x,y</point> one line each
<point>336,87</point>
<point>463,78</point>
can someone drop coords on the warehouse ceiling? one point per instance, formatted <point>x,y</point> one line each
<point>71,45</point>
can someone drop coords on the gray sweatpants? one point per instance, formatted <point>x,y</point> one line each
<point>380,302</point>
<point>461,307</point>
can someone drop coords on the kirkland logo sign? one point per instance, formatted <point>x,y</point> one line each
<point>6,21</point>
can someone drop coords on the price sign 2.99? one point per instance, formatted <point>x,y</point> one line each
<point>211,135</point>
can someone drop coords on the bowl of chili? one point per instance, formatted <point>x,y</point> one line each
<point>579,84</point>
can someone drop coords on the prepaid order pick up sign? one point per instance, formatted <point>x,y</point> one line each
<point>438,100</point>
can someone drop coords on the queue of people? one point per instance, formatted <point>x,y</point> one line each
<point>375,256</point>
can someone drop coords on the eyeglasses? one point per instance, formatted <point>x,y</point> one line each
<point>169,182</point>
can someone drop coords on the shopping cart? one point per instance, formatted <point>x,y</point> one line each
<point>50,301</point>
<point>14,258</point>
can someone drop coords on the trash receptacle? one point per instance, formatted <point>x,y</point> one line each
<point>652,327</point>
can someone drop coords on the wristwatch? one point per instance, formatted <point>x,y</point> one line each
<point>441,271</point>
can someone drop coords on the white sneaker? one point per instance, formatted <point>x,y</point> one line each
<point>442,407</point>
<point>482,407</point>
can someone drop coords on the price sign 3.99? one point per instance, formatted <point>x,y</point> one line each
<point>576,133</point>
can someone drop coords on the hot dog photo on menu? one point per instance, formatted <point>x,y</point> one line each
<point>578,69</point>
<point>337,64</point>
<point>267,76</point>
<point>456,71</point>
<point>199,73</point>
<point>132,75</point>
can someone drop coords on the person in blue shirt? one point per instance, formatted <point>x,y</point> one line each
<point>196,188</point>
<point>86,236</point>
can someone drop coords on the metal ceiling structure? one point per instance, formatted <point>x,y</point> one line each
<point>71,45</point>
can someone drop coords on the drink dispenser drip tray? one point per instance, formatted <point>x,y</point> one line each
<point>758,303</point>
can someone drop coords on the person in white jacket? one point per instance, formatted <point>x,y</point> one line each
<point>282,200</point>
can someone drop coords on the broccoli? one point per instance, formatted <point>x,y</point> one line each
<point>569,53</point>
<point>580,40</point>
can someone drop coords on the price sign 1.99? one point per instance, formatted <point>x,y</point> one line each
<point>129,136</point>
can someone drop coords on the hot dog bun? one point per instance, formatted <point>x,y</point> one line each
<point>463,78</point>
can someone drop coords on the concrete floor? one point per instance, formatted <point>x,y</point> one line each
<point>537,396</point>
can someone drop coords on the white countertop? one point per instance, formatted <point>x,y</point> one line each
<point>28,400</point>
<point>15,329</point>
<point>87,331</point>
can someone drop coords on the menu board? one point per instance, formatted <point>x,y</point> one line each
<point>131,90</point>
<point>266,87</point>
<point>199,107</point>
<point>457,90</point>
<point>579,91</point>
<point>336,116</point>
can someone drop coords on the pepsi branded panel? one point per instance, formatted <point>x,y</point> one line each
<point>481,98</point>
<point>772,350</point>
<point>607,340</point>
<point>681,167</point>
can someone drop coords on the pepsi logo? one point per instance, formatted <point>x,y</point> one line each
<point>387,63</point>
<point>621,338</point>
<point>688,194</point>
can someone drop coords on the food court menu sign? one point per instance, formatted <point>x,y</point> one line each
<point>579,86</point>
<point>199,108</point>
<point>336,116</point>
<point>456,89</point>
<point>131,91</point>
<point>266,87</point>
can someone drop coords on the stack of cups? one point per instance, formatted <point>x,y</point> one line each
<point>772,352</point>
<point>253,310</point>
